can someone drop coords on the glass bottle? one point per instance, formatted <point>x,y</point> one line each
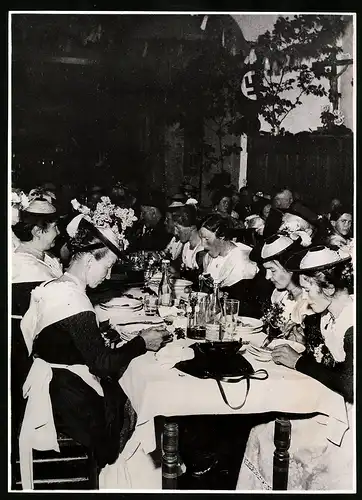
<point>214,315</point>
<point>165,289</point>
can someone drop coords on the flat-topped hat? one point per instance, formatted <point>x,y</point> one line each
<point>177,200</point>
<point>40,207</point>
<point>304,212</point>
<point>316,259</point>
<point>273,247</point>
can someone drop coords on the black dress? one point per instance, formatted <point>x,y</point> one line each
<point>92,420</point>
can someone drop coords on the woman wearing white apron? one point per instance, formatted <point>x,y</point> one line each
<point>62,334</point>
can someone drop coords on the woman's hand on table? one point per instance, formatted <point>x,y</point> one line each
<point>285,355</point>
<point>155,338</point>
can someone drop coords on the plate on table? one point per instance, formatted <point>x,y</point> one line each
<point>247,326</point>
<point>246,323</point>
<point>123,303</point>
<point>180,283</point>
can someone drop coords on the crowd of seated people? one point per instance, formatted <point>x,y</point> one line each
<point>245,242</point>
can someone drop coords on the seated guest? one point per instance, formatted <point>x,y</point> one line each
<point>227,262</point>
<point>62,333</point>
<point>32,264</point>
<point>150,235</point>
<point>334,204</point>
<point>174,247</point>
<point>341,221</point>
<point>319,459</point>
<point>283,199</point>
<point>297,217</point>
<point>188,191</point>
<point>192,252</point>
<point>287,293</point>
<point>94,195</point>
<point>244,206</point>
<point>36,230</point>
<point>221,200</point>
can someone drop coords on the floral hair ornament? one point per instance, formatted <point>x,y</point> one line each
<point>41,193</point>
<point>296,227</point>
<point>316,259</point>
<point>107,221</point>
<point>19,199</point>
<point>191,201</point>
<point>255,222</point>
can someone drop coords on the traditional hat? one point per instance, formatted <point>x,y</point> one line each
<point>40,207</point>
<point>304,212</point>
<point>105,223</point>
<point>316,259</point>
<point>178,200</point>
<point>273,247</point>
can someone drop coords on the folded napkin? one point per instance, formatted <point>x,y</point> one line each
<point>172,353</point>
<point>164,311</point>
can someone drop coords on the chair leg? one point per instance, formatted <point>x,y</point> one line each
<point>93,472</point>
<point>281,454</point>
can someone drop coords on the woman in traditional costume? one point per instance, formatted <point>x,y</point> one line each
<point>319,459</point>
<point>287,307</point>
<point>226,261</point>
<point>62,333</point>
<point>32,263</point>
<point>192,254</point>
<point>36,230</point>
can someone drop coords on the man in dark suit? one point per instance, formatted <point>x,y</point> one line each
<point>150,233</point>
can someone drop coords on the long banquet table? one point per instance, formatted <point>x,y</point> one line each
<point>156,388</point>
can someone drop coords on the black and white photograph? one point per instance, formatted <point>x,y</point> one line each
<point>181,257</point>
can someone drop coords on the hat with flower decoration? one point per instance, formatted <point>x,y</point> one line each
<point>107,222</point>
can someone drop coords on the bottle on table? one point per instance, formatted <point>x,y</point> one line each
<point>214,315</point>
<point>196,315</point>
<point>165,291</point>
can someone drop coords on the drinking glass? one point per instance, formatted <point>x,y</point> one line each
<point>150,304</point>
<point>229,318</point>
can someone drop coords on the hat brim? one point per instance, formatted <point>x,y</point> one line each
<point>293,263</point>
<point>108,243</point>
<point>255,254</point>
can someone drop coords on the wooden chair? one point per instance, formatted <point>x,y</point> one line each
<point>74,468</point>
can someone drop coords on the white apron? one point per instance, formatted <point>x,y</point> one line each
<point>50,302</point>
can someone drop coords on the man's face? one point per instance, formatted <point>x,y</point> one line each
<point>283,200</point>
<point>150,215</point>
<point>169,224</point>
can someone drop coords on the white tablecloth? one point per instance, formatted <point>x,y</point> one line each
<point>156,389</point>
